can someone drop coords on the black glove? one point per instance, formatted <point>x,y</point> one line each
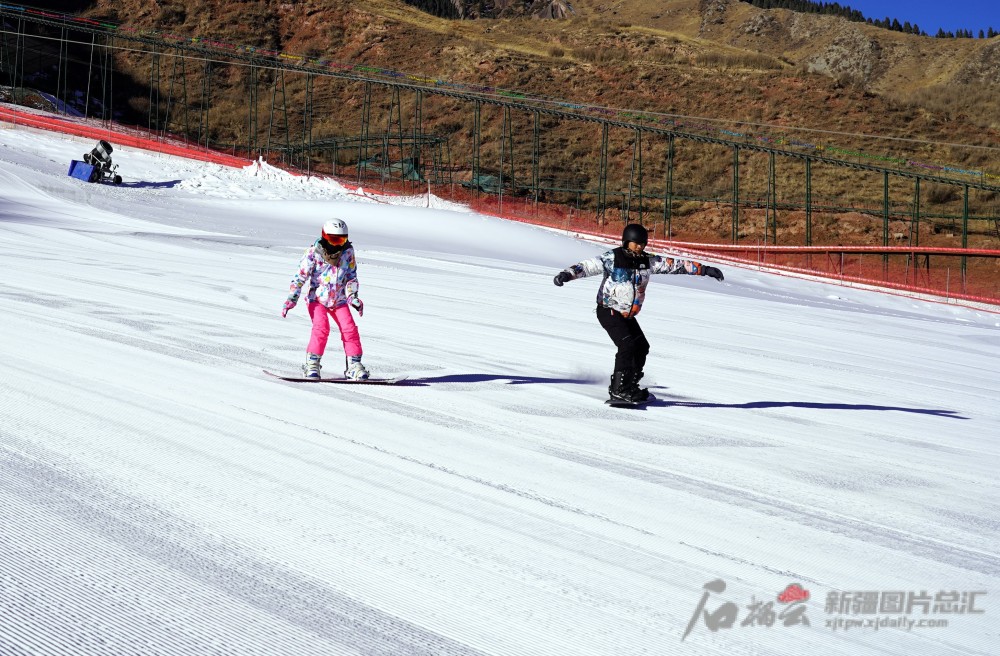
<point>563,277</point>
<point>712,272</point>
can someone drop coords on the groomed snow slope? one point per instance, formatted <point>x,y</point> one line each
<point>159,495</point>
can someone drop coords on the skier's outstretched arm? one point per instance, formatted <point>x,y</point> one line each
<point>660,264</point>
<point>590,267</point>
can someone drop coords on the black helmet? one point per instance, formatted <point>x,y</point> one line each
<point>634,232</point>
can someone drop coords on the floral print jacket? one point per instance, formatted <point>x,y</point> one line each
<point>333,278</point>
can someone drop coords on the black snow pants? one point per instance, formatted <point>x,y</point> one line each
<point>627,336</point>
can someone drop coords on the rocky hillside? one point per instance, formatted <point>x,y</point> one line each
<point>642,54</point>
<point>500,9</point>
<point>901,67</point>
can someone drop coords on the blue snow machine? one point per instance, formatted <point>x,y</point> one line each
<point>96,165</point>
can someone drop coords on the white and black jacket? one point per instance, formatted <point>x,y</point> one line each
<point>625,276</point>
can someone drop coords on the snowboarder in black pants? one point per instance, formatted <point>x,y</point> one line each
<point>626,272</point>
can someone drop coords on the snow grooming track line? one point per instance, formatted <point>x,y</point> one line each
<point>621,554</point>
<point>128,332</point>
<point>185,351</point>
<point>152,533</point>
<point>630,557</point>
<point>412,410</point>
<point>818,519</point>
<point>890,538</point>
<point>328,498</point>
<point>452,472</point>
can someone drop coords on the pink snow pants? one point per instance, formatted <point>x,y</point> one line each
<point>320,315</point>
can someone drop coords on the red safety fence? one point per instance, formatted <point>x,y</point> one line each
<point>950,273</point>
<point>932,271</point>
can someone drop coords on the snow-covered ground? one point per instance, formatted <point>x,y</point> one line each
<point>160,495</point>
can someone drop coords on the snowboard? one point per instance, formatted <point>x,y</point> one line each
<point>615,403</point>
<point>625,404</point>
<point>347,381</point>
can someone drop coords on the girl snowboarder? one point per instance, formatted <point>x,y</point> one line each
<point>626,272</point>
<point>331,270</point>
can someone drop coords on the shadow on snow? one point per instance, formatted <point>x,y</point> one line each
<point>166,184</point>
<point>666,403</point>
<point>486,378</point>
<point>757,405</point>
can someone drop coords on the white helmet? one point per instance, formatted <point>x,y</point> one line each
<point>334,228</point>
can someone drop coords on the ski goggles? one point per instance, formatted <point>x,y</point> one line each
<point>335,240</point>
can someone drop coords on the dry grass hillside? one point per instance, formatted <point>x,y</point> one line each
<point>714,58</point>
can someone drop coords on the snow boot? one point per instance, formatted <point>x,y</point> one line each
<point>312,367</point>
<point>355,370</point>
<point>619,389</point>
<point>640,394</point>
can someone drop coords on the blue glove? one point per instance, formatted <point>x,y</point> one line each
<point>358,305</point>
